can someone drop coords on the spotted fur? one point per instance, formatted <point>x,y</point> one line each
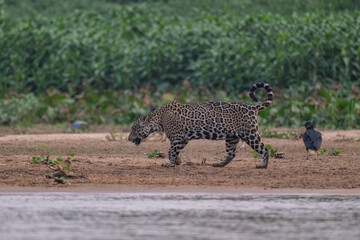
<point>229,121</point>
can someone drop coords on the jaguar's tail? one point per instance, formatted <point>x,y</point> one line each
<point>268,99</point>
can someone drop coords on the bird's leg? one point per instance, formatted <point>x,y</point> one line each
<point>307,154</point>
<point>315,155</point>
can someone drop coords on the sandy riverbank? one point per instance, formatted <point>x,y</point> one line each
<point>119,165</point>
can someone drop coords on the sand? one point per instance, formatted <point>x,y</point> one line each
<point>101,165</point>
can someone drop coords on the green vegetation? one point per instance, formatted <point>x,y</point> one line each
<point>60,163</point>
<point>272,151</point>
<point>63,180</point>
<point>105,61</point>
<point>60,160</point>
<point>334,152</point>
<point>135,48</point>
<point>41,159</point>
<point>60,166</point>
<point>156,154</point>
<point>184,8</point>
<point>322,152</point>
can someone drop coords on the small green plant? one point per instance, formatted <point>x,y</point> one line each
<point>67,162</point>
<point>64,180</point>
<point>334,152</point>
<point>62,166</point>
<point>156,154</point>
<point>36,159</point>
<point>153,154</point>
<point>322,152</point>
<point>58,161</point>
<point>40,159</point>
<point>112,136</point>
<point>272,151</point>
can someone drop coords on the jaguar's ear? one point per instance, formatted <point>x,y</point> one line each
<point>146,119</point>
<point>152,107</point>
<point>142,121</point>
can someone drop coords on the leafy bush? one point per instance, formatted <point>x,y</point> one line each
<point>133,47</point>
<point>107,60</point>
<point>185,8</point>
<point>290,108</point>
<point>327,108</point>
<point>19,108</point>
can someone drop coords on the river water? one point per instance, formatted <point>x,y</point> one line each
<point>177,216</point>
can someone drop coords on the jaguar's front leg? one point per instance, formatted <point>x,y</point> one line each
<point>175,147</point>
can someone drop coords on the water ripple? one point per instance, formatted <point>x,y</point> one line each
<point>178,216</point>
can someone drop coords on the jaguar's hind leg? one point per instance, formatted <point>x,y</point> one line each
<point>231,144</point>
<point>265,156</point>
<point>254,141</point>
<point>175,147</point>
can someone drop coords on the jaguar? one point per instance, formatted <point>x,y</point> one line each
<point>229,121</point>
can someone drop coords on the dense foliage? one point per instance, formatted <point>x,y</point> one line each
<point>184,8</point>
<point>112,61</point>
<point>133,47</point>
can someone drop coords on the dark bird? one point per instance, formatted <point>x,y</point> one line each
<point>312,138</point>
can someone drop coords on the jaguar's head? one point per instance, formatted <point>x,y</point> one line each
<point>140,130</point>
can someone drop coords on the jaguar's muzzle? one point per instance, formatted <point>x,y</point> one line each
<point>137,141</point>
